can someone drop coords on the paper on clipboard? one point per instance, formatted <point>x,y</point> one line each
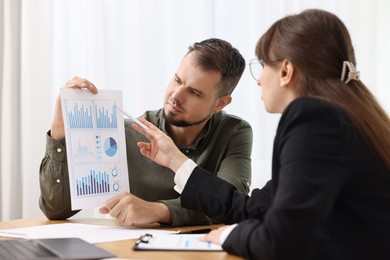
<point>174,242</point>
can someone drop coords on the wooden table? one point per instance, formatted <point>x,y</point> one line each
<point>123,248</point>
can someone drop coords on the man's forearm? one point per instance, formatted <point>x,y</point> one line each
<point>57,131</point>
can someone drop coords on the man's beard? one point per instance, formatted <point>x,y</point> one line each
<point>182,123</point>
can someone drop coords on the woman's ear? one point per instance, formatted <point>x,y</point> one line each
<point>287,73</point>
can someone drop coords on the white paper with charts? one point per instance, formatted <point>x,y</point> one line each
<point>95,144</point>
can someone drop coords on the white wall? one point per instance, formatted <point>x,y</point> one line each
<point>136,46</point>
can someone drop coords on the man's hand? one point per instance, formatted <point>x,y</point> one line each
<point>129,210</point>
<point>57,128</point>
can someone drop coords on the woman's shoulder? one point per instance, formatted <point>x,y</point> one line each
<point>310,112</point>
<point>312,102</point>
<point>312,106</point>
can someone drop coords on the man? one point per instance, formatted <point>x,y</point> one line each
<point>192,116</point>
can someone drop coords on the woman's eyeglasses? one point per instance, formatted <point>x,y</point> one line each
<point>256,67</point>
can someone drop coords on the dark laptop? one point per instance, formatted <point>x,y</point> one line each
<point>51,248</point>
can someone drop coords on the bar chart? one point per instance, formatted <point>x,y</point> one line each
<point>81,117</point>
<point>89,182</point>
<point>106,118</point>
<point>93,183</point>
<point>87,114</point>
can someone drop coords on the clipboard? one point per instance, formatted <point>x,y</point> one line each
<point>174,242</point>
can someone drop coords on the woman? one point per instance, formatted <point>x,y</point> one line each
<point>329,197</point>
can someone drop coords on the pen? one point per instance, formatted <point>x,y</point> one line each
<point>133,119</point>
<point>198,231</point>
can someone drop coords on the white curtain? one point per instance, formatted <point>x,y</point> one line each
<point>136,46</point>
<point>10,116</point>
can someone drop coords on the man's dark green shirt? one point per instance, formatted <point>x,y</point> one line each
<point>224,148</point>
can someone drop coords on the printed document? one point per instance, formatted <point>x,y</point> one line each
<point>95,145</point>
<point>175,242</point>
<point>87,232</point>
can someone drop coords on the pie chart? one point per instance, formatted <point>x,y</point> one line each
<point>110,146</point>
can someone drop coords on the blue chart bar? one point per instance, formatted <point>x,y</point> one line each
<point>94,183</point>
<point>80,117</point>
<point>103,120</point>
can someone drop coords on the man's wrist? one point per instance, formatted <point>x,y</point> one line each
<point>57,132</point>
<point>164,215</point>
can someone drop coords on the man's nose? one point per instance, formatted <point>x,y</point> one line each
<point>178,94</point>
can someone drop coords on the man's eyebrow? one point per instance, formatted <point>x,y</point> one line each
<point>177,77</point>
<point>200,93</point>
